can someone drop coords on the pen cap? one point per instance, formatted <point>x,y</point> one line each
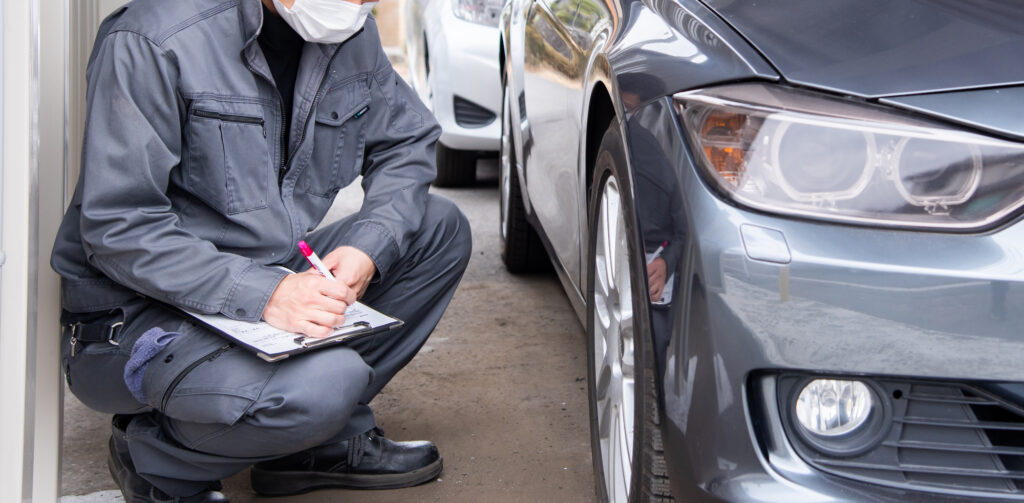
<point>305,249</point>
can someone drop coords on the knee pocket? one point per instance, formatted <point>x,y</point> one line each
<point>218,391</point>
<point>317,389</point>
<point>200,378</point>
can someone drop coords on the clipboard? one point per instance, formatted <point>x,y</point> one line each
<point>273,344</point>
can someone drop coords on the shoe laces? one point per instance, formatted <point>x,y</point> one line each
<point>357,446</point>
<point>356,449</point>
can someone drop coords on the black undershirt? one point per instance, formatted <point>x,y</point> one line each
<point>283,48</point>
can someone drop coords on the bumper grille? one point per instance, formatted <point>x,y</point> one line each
<point>471,115</point>
<point>943,437</point>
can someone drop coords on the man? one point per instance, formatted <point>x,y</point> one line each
<point>218,133</point>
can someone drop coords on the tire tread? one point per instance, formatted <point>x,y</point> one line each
<point>455,168</point>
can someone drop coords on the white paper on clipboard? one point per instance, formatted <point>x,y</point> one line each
<point>274,343</point>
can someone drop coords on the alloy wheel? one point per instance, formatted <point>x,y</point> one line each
<point>614,352</point>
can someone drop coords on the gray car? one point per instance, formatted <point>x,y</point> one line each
<point>792,230</point>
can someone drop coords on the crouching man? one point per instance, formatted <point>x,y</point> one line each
<point>218,133</point>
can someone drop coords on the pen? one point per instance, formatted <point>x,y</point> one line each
<point>657,253</point>
<point>315,261</point>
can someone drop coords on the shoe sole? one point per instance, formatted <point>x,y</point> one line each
<point>283,483</point>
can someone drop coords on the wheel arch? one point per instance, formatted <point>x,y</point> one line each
<point>501,57</point>
<point>600,113</point>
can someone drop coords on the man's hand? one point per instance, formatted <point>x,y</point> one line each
<point>351,267</point>
<point>308,303</point>
<point>656,278</point>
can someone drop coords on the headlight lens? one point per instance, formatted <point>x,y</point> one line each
<point>795,152</point>
<point>486,12</point>
<point>830,407</point>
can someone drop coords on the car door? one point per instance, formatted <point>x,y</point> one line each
<point>552,71</point>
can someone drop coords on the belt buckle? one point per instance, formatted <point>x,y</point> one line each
<point>112,331</point>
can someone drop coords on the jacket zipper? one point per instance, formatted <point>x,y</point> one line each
<point>280,127</point>
<point>282,169</point>
<point>244,119</point>
<point>309,115</point>
<point>312,106</point>
<point>192,366</point>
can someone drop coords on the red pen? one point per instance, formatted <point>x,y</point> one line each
<point>315,260</point>
<point>657,253</point>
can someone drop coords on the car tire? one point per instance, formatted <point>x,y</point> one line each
<point>455,168</point>
<point>521,248</point>
<point>626,442</point>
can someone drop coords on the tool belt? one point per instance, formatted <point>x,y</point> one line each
<point>94,332</point>
<point>103,328</point>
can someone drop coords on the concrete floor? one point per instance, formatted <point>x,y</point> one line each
<point>500,387</point>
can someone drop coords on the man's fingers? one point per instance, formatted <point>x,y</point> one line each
<point>331,305</point>
<point>338,290</point>
<point>323,318</point>
<point>313,330</point>
<point>331,260</point>
<point>656,291</point>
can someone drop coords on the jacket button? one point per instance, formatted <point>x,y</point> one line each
<point>334,115</point>
<point>240,312</point>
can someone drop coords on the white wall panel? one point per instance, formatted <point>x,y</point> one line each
<point>18,283</point>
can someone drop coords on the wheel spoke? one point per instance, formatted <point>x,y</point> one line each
<point>623,437</point>
<point>605,411</point>
<point>608,243</point>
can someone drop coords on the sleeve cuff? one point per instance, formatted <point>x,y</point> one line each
<point>672,260</point>
<point>376,241</point>
<point>251,291</point>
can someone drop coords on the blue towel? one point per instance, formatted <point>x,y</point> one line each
<point>148,345</point>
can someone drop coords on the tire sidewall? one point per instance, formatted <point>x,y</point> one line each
<point>611,162</point>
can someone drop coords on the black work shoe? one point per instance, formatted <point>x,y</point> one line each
<point>367,461</point>
<point>136,489</point>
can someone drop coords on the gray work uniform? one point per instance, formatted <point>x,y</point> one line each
<point>187,198</point>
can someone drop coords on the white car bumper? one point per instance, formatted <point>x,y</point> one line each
<point>463,63</point>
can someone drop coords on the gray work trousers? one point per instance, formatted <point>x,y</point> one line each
<point>212,412</point>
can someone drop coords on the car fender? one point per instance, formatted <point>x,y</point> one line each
<point>513,46</point>
<point>694,48</point>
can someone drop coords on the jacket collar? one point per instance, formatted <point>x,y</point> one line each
<point>251,18</point>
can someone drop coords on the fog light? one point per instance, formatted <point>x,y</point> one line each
<point>830,407</point>
<point>836,417</point>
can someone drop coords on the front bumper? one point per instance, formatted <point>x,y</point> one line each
<point>464,63</point>
<point>840,300</point>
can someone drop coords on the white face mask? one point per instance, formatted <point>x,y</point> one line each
<point>325,21</point>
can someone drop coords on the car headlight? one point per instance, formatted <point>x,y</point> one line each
<point>486,12</point>
<point>795,152</point>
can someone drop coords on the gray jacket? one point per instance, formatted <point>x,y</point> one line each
<point>184,196</point>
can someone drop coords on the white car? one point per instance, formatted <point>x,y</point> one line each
<point>452,46</point>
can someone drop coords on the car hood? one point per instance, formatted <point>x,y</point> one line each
<point>880,48</point>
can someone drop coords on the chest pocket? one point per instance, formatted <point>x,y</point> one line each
<point>228,164</point>
<point>338,138</point>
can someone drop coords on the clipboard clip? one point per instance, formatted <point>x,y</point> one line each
<point>312,342</point>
